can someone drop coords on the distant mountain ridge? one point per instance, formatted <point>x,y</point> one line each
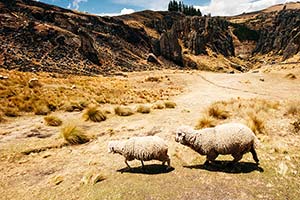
<point>38,37</point>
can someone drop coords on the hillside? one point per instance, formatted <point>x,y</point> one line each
<point>40,37</point>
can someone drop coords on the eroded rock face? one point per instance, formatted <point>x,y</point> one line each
<point>196,34</point>
<point>282,36</point>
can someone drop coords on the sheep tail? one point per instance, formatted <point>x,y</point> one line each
<point>256,143</point>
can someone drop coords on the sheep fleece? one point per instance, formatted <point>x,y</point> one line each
<point>143,148</point>
<point>224,139</point>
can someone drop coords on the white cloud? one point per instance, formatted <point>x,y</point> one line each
<point>124,11</point>
<point>235,7</point>
<point>146,4</point>
<point>75,4</point>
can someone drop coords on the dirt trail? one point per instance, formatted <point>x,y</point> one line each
<point>34,176</point>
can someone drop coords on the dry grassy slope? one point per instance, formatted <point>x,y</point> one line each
<point>40,37</point>
<point>64,173</point>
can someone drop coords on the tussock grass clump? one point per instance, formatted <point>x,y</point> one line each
<point>11,112</point>
<point>2,117</point>
<point>291,76</point>
<point>256,123</point>
<point>293,109</point>
<point>74,135</point>
<point>94,114</point>
<point>123,111</point>
<point>159,105</point>
<point>143,109</point>
<point>53,121</point>
<point>217,112</point>
<point>41,109</point>
<point>153,79</point>
<point>170,104</point>
<point>296,125</point>
<point>206,121</point>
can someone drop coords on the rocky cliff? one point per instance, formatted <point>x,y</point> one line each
<point>282,36</point>
<point>38,37</point>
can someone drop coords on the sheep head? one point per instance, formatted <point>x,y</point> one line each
<point>111,147</point>
<point>116,146</point>
<point>181,133</point>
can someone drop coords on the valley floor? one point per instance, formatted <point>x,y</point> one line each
<point>69,172</point>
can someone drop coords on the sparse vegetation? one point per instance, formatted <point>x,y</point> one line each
<point>296,125</point>
<point>256,123</point>
<point>74,135</point>
<point>94,114</point>
<point>252,112</point>
<point>143,109</point>
<point>206,121</point>
<point>123,111</point>
<point>41,109</point>
<point>53,121</point>
<point>159,105</point>
<point>153,79</point>
<point>291,76</point>
<point>217,111</point>
<point>1,117</point>
<point>11,112</point>
<point>170,104</point>
<point>59,93</point>
<point>293,109</point>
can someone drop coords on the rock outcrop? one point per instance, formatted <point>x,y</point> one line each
<point>282,36</point>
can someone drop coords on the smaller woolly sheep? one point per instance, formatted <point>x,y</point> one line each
<point>231,138</point>
<point>141,148</point>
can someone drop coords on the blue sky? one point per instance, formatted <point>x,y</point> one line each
<point>116,7</point>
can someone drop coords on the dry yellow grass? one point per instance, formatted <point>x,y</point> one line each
<point>170,104</point>
<point>41,109</point>
<point>74,135</point>
<point>11,112</point>
<point>53,121</point>
<point>293,108</point>
<point>73,93</point>
<point>206,121</point>
<point>123,111</point>
<point>256,122</point>
<point>159,105</point>
<point>217,111</point>
<point>143,109</point>
<point>94,114</point>
<point>253,112</point>
<point>1,117</point>
<point>291,76</point>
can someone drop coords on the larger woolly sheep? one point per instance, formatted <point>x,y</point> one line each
<point>231,138</point>
<point>141,148</point>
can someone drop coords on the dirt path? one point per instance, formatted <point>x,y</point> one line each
<point>63,173</point>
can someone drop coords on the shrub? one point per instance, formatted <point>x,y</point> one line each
<point>256,123</point>
<point>143,109</point>
<point>1,117</point>
<point>296,125</point>
<point>293,109</point>
<point>170,104</point>
<point>153,79</point>
<point>206,121</point>
<point>291,76</point>
<point>159,105</point>
<point>217,112</point>
<point>94,114</point>
<point>11,112</point>
<point>53,121</point>
<point>123,111</point>
<point>41,110</point>
<point>74,135</point>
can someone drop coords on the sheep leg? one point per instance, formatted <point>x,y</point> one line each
<point>254,155</point>
<point>168,162</point>
<point>142,164</point>
<point>211,157</point>
<point>237,157</point>
<point>127,164</point>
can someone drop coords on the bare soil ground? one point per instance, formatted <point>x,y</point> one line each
<point>55,171</point>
